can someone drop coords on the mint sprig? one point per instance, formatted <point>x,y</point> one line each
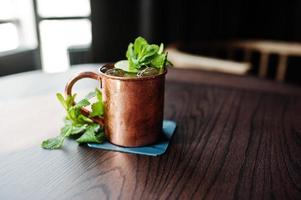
<point>140,54</point>
<point>97,107</point>
<point>93,133</point>
<point>77,124</point>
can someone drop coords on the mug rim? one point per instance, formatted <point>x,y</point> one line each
<point>130,78</point>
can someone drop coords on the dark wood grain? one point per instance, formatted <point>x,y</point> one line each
<point>232,142</point>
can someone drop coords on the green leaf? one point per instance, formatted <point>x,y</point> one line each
<point>150,53</point>
<point>159,61</point>
<point>70,101</point>
<point>82,103</point>
<point>132,66</point>
<point>72,114</point>
<point>161,48</point>
<point>83,119</point>
<point>57,142</point>
<point>139,45</point>
<point>66,129</point>
<point>142,54</point>
<point>98,94</point>
<point>130,52</point>
<point>97,109</point>
<point>76,129</point>
<point>94,127</point>
<point>76,123</point>
<point>60,97</point>
<point>53,143</point>
<point>92,134</point>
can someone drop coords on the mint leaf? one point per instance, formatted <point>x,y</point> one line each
<point>78,129</point>
<point>82,119</point>
<point>72,115</point>
<point>159,61</point>
<point>142,54</point>
<point>82,103</point>
<point>70,101</point>
<point>92,134</point>
<point>161,48</point>
<point>97,107</point>
<point>57,142</point>
<point>53,143</point>
<point>66,129</point>
<point>60,97</point>
<point>75,129</point>
<point>139,45</point>
<point>130,54</point>
<point>149,53</point>
<point>76,123</point>
<point>98,94</point>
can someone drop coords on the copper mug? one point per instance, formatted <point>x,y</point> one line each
<point>133,107</point>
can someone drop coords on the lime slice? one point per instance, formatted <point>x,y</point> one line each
<point>124,65</point>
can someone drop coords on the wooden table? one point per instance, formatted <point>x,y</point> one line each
<point>237,137</point>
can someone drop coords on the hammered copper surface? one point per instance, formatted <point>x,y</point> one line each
<point>133,110</point>
<point>133,107</point>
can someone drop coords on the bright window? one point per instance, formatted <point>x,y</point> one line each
<point>57,36</point>
<point>6,9</point>
<point>60,25</point>
<point>63,8</point>
<point>9,38</point>
<point>17,25</point>
<point>63,23</point>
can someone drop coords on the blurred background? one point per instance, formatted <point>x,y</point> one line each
<point>255,37</point>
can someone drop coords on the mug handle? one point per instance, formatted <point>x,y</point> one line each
<point>68,91</point>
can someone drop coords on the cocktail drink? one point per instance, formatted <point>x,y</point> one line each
<point>133,95</point>
<point>130,106</point>
<point>134,105</point>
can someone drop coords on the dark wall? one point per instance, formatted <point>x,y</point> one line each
<point>212,20</point>
<point>116,22</point>
<point>277,20</point>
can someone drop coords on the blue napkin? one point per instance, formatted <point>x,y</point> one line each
<point>157,149</point>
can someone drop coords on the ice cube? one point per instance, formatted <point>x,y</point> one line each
<point>115,72</point>
<point>105,68</point>
<point>148,71</point>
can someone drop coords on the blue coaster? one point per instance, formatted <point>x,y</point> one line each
<point>157,149</point>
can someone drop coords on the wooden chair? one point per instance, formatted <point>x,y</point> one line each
<point>283,50</point>
<point>266,48</point>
